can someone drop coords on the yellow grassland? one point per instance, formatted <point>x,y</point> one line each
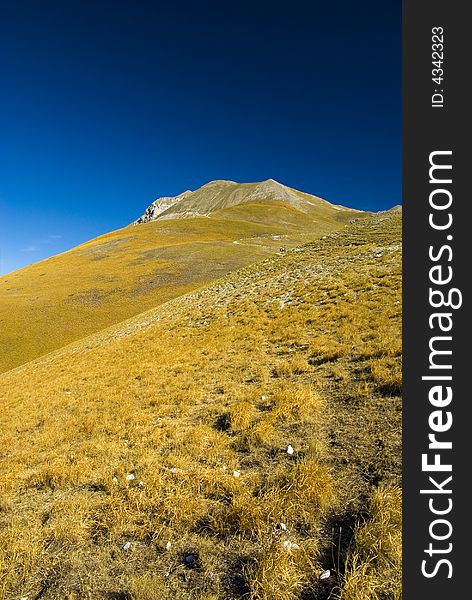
<point>123,273</point>
<point>149,461</point>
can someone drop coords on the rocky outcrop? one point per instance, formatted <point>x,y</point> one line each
<point>159,206</point>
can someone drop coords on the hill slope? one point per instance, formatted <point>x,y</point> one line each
<point>211,447</point>
<point>120,274</point>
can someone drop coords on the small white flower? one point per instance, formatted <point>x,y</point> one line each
<point>237,473</point>
<point>127,546</point>
<point>173,470</point>
<point>325,574</point>
<point>141,483</point>
<point>130,477</point>
<point>290,449</point>
<point>283,526</point>
<point>290,545</point>
<point>115,479</point>
<point>263,398</point>
<point>168,545</point>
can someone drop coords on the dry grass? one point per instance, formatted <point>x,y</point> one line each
<point>123,273</point>
<point>150,460</point>
<point>281,571</point>
<point>373,569</point>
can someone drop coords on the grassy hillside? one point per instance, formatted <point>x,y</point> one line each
<point>104,281</point>
<point>232,443</point>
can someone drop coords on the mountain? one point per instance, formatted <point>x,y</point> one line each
<point>237,441</point>
<point>181,244</point>
<point>159,206</point>
<point>220,194</point>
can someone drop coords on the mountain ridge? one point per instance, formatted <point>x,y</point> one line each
<point>221,194</point>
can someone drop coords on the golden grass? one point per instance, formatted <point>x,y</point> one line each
<point>241,415</point>
<point>115,276</point>
<point>373,569</point>
<point>166,438</point>
<point>282,571</point>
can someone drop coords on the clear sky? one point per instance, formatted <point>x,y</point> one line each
<point>107,104</point>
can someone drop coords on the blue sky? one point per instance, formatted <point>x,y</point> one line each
<point>106,105</point>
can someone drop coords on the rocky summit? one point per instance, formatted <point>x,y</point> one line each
<point>220,194</point>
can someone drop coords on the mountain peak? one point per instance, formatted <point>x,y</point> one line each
<point>222,194</point>
<point>216,182</point>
